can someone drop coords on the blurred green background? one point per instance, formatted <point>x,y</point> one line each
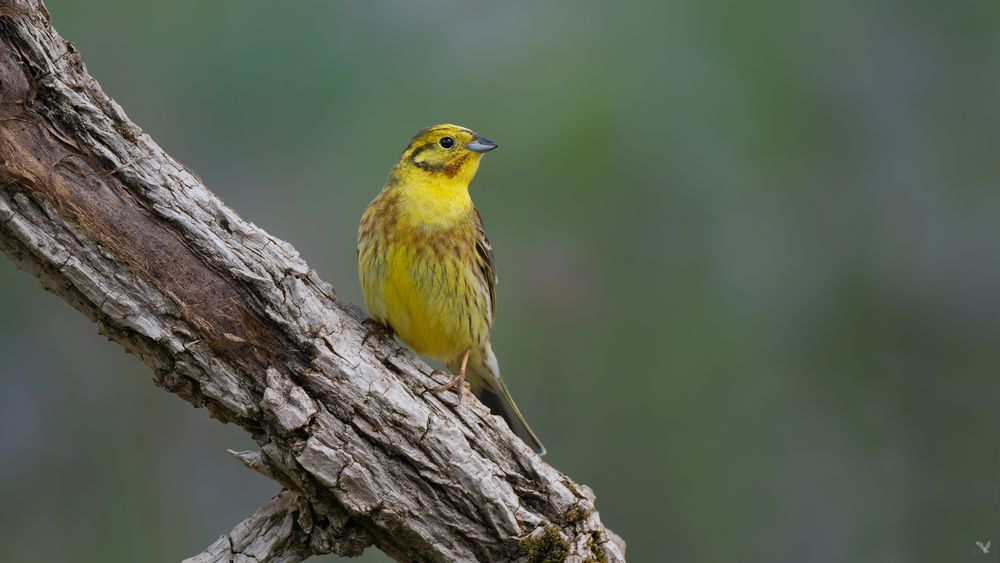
<point>749,261</point>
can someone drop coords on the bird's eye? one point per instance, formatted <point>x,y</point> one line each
<point>447,142</point>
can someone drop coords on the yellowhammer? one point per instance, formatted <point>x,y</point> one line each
<point>426,267</point>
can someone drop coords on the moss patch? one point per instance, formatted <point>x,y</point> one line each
<point>547,547</point>
<point>576,514</point>
<point>596,550</point>
<point>126,132</point>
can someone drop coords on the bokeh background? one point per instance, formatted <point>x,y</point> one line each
<point>749,256</point>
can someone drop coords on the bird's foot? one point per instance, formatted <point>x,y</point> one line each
<point>457,381</point>
<point>316,331</point>
<point>375,328</point>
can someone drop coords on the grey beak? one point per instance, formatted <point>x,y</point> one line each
<point>481,144</point>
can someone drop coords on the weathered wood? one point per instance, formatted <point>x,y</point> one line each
<point>281,531</point>
<point>232,319</point>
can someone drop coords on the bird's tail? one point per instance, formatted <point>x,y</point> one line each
<point>483,375</point>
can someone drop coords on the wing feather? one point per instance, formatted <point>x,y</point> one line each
<point>487,267</point>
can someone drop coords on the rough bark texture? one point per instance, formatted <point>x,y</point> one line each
<point>277,532</point>
<point>231,319</point>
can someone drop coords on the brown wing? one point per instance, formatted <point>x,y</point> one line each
<point>484,258</point>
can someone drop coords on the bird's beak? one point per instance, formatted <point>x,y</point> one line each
<point>481,144</point>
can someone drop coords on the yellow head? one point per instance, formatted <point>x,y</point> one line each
<point>443,154</point>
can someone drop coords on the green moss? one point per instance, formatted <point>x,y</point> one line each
<point>576,514</point>
<point>572,487</point>
<point>573,515</point>
<point>596,550</point>
<point>126,132</point>
<point>546,547</point>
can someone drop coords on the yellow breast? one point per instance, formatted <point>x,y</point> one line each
<point>416,256</point>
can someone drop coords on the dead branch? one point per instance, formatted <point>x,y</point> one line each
<point>231,319</point>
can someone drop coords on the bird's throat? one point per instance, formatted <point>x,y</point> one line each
<point>434,203</point>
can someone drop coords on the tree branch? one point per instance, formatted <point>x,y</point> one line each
<point>231,319</point>
<point>280,531</point>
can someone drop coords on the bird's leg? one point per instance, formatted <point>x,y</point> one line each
<point>373,328</point>
<point>458,380</point>
<point>315,331</point>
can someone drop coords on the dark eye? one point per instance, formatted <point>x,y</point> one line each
<point>447,142</point>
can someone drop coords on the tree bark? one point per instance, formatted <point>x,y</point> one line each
<point>232,319</point>
<point>277,532</point>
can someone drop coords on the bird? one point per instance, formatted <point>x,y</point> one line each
<point>427,270</point>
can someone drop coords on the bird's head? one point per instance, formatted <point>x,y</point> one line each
<point>445,153</point>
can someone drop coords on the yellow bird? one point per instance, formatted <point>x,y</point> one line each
<point>427,269</point>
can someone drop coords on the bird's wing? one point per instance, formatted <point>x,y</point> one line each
<point>484,259</point>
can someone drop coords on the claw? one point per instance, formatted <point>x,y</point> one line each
<point>375,328</point>
<point>457,381</point>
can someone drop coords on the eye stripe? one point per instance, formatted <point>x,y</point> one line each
<point>418,150</point>
<point>423,164</point>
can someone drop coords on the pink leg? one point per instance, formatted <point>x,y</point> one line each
<point>458,380</point>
